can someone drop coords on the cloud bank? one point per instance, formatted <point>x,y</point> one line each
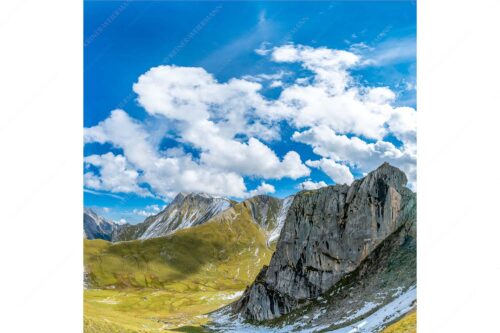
<point>224,131</point>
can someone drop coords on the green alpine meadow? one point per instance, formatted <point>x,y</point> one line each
<point>172,281</point>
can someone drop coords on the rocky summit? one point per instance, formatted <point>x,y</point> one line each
<point>97,227</point>
<point>328,233</point>
<point>186,210</point>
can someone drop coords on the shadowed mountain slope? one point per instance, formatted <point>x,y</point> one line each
<point>225,250</point>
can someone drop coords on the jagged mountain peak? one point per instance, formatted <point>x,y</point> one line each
<point>100,219</point>
<point>195,195</point>
<point>96,226</point>
<point>387,173</point>
<point>90,211</point>
<point>186,210</point>
<point>180,196</point>
<point>202,195</point>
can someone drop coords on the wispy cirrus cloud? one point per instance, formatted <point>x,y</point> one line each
<point>389,52</point>
<point>102,193</point>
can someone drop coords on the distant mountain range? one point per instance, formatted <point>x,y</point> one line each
<point>97,227</point>
<point>189,210</point>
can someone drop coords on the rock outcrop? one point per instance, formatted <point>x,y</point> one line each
<point>263,209</point>
<point>269,213</point>
<point>327,234</point>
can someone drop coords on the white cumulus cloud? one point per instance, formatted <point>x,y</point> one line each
<point>339,173</point>
<point>166,175</point>
<point>310,185</point>
<point>211,114</point>
<point>115,175</point>
<point>225,131</point>
<point>149,210</point>
<point>263,188</point>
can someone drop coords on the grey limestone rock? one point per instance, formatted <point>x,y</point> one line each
<point>327,234</point>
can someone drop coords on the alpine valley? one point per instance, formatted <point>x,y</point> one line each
<point>337,259</point>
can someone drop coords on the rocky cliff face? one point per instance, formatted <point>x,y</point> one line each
<point>326,235</point>
<point>269,213</point>
<point>263,210</point>
<point>280,219</point>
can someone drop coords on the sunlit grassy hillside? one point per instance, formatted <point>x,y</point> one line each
<point>163,283</point>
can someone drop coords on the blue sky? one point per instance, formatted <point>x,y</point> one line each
<point>210,46</point>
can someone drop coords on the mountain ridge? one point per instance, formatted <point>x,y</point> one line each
<point>190,209</point>
<point>185,210</point>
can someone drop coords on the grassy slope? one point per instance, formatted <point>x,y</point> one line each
<point>171,281</point>
<point>136,310</point>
